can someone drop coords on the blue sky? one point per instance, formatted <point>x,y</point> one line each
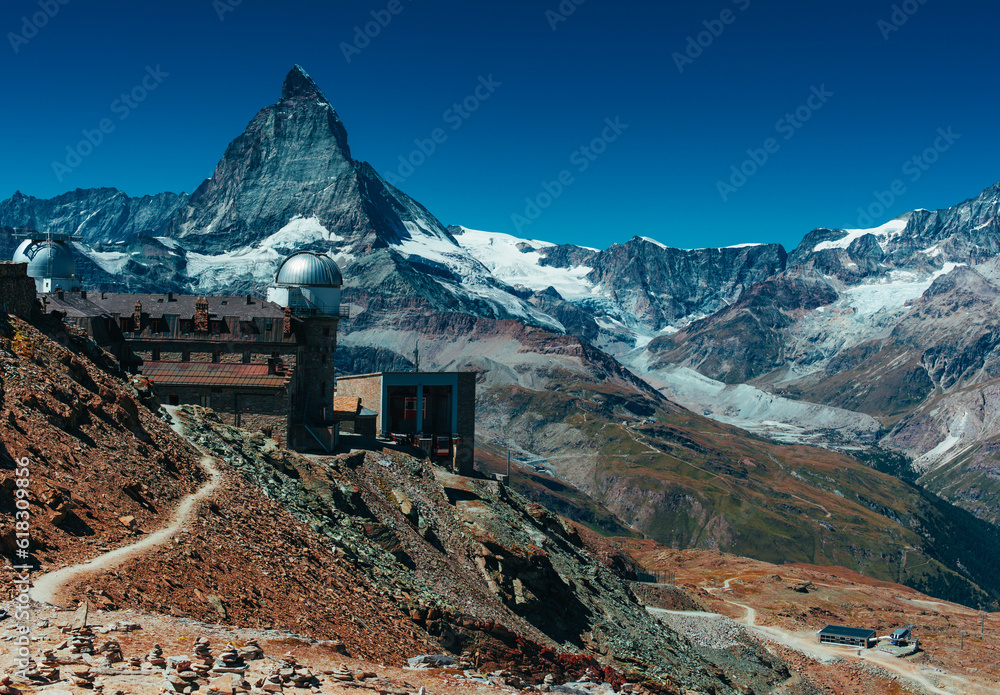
<point>839,96</point>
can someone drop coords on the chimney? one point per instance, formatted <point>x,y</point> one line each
<point>288,320</point>
<point>272,366</point>
<point>201,314</point>
<point>60,293</point>
<point>170,296</point>
<point>83,294</point>
<point>137,316</point>
<point>249,299</point>
<point>104,295</point>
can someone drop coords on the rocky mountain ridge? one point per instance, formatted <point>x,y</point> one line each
<point>570,325</point>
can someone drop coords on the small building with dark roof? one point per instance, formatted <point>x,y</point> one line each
<point>900,636</point>
<point>434,410</point>
<point>847,636</point>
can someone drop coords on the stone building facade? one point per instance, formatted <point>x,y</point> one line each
<point>17,289</point>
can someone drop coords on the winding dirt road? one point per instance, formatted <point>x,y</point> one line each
<point>808,645</point>
<point>48,587</point>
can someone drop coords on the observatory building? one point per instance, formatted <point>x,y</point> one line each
<point>260,364</point>
<point>50,262</point>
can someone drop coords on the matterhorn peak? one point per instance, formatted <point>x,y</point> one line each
<point>299,84</point>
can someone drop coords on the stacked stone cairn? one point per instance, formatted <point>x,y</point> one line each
<point>270,684</point>
<point>342,673</point>
<point>202,662</point>
<point>112,651</point>
<point>82,641</point>
<point>81,677</point>
<point>48,667</point>
<point>289,672</point>
<point>229,660</point>
<point>251,651</point>
<point>155,657</point>
<point>178,677</point>
<point>135,663</point>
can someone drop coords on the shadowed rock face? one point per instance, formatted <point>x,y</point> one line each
<point>746,339</point>
<point>99,215</point>
<point>293,159</point>
<point>660,285</point>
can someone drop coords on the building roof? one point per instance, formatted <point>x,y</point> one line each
<point>901,632</point>
<point>214,374</point>
<point>158,305</point>
<point>853,632</point>
<point>73,304</point>
<point>311,269</point>
<point>351,406</point>
<point>372,375</point>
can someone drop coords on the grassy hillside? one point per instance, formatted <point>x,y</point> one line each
<point>690,482</point>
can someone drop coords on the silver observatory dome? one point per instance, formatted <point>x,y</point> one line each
<point>46,259</point>
<point>309,269</point>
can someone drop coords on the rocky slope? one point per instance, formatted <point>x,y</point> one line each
<point>379,550</point>
<point>102,466</point>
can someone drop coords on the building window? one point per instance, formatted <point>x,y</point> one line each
<point>156,354</point>
<point>206,401</point>
<point>215,356</point>
<point>246,357</point>
<point>186,356</point>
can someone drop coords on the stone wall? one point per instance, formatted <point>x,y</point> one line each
<point>17,290</point>
<point>315,371</point>
<point>368,389</point>
<point>254,410</point>
<point>169,353</point>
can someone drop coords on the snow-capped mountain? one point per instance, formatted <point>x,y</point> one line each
<point>881,334</point>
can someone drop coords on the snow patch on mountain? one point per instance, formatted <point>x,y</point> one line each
<point>517,262</point>
<point>782,419</point>
<point>436,249</point>
<point>299,232</point>
<point>889,229</point>
<point>168,242</point>
<point>111,262</point>
<point>216,272</point>
<point>898,289</point>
